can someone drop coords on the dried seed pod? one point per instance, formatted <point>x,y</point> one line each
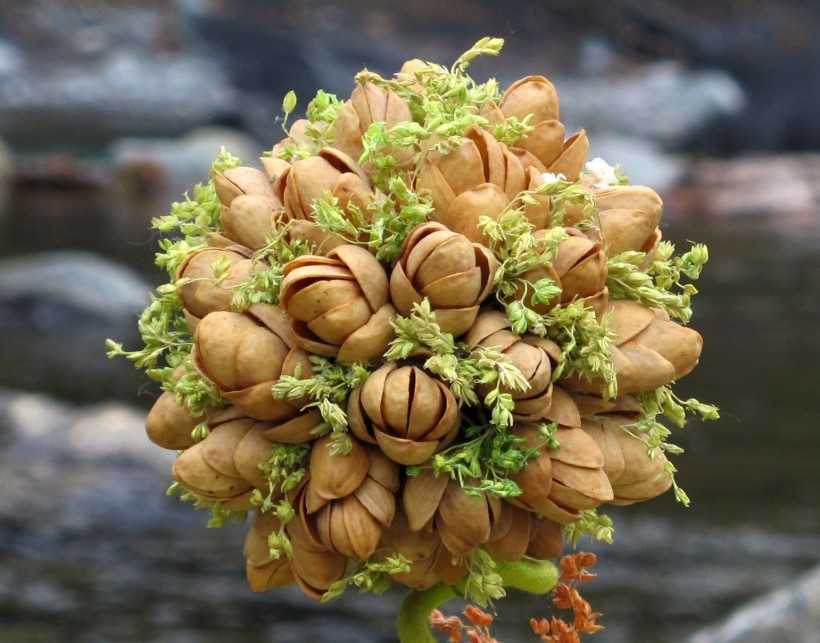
<point>369,104</point>
<point>519,532</point>
<point>245,354</point>
<point>430,561</point>
<point>251,219</point>
<point>314,569</point>
<point>407,412</point>
<point>339,304</point>
<point>546,539</point>
<point>315,566</point>
<point>629,216</point>
<point>235,182</point>
<point>539,212</point>
<point>297,137</point>
<point>255,448</point>
<point>169,424</point>
<point>531,95</point>
<point>330,171</point>
<point>535,96</point>
<point>510,536</point>
<point>649,350</point>
<point>560,483</point>
<point>635,476</point>
<point>455,274</point>
<point>208,469</point>
<point>462,521</point>
<point>478,179</point>
<point>350,498</point>
<point>263,571</point>
<point>534,356</point>
<point>211,275</point>
<point>579,269</point>
<point>581,266</point>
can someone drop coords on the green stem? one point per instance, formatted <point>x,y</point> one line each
<point>527,575</point>
<point>414,615</point>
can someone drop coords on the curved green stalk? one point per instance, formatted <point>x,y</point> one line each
<point>414,615</point>
<point>527,575</point>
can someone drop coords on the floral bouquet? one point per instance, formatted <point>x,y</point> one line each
<point>422,345</point>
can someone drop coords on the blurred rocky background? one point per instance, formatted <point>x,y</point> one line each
<point>111,109</point>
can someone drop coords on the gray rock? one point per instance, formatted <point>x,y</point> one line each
<point>788,615</point>
<point>644,161</point>
<point>134,92</point>
<point>56,310</point>
<point>659,101</point>
<point>149,174</point>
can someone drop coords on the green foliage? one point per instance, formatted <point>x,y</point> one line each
<point>284,469</point>
<point>219,514</point>
<point>262,287</point>
<point>329,216</point>
<point>656,281</point>
<point>484,463</point>
<point>328,388</point>
<point>288,105</point>
<point>191,220</point>
<point>371,576</point>
<point>321,114</point>
<point>166,338</point>
<point>511,129</point>
<point>483,583</point>
<point>463,369</point>
<point>393,218</point>
<point>381,143</point>
<point>655,435</point>
<point>592,524</point>
<point>164,333</point>
<point>420,330</point>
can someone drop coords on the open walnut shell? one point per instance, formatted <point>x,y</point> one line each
<point>534,356</point>
<point>409,414</point>
<point>339,304</point>
<point>245,354</point>
<point>350,499</point>
<point>649,350</point>
<point>560,483</point>
<point>211,275</point>
<point>452,272</point>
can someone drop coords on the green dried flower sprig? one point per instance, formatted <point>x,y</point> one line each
<point>328,388</point>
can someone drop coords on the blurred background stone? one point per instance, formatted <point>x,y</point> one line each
<point>55,309</point>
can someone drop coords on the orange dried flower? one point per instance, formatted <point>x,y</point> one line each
<point>449,625</point>
<point>573,567</point>
<point>478,616</point>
